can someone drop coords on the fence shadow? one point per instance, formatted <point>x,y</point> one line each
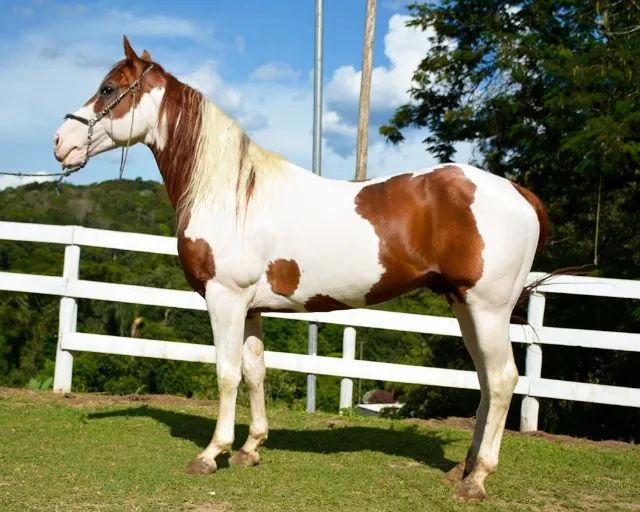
<point>410,442</point>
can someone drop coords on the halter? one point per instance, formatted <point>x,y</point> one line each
<point>98,117</point>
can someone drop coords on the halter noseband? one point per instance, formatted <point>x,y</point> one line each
<point>105,111</point>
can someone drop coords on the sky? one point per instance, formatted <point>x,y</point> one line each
<point>252,58</point>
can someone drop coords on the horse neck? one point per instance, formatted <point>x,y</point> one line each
<point>205,157</point>
<point>175,137</point>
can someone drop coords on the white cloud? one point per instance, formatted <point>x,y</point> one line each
<point>405,47</point>
<point>153,25</point>
<point>274,71</point>
<point>18,181</point>
<point>208,81</point>
<point>334,124</point>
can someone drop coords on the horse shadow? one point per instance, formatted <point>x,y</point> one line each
<point>421,446</point>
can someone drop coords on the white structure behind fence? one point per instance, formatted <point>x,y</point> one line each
<point>71,288</point>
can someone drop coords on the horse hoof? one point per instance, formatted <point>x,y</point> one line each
<point>455,474</point>
<point>469,490</point>
<point>244,458</point>
<point>200,467</point>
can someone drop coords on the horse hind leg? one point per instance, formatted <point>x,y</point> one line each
<point>486,334</point>
<point>253,371</point>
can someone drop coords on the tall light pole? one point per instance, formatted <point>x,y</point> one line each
<point>317,93</point>
<point>317,168</point>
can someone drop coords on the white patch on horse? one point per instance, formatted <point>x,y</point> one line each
<point>145,115</point>
<point>501,268</point>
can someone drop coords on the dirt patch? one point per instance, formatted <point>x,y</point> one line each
<point>558,438</point>
<point>223,506</point>
<point>99,399</point>
<point>458,423</point>
<point>450,422</point>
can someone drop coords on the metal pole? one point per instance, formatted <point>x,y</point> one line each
<point>317,168</point>
<point>317,94</point>
<point>365,91</point>
<point>311,379</point>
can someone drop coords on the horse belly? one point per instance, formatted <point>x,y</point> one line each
<point>328,260</point>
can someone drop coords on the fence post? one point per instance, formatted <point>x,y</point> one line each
<point>311,379</point>
<point>67,323</point>
<point>533,364</point>
<point>348,352</point>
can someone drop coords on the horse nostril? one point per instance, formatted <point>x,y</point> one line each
<point>56,140</point>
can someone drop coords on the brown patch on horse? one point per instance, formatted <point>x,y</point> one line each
<point>197,262</point>
<point>121,76</point>
<point>251,184</point>
<point>427,231</point>
<point>321,303</point>
<point>181,115</point>
<point>283,276</point>
<point>540,210</point>
<point>242,153</point>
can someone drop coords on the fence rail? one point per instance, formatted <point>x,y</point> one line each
<point>71,288</point>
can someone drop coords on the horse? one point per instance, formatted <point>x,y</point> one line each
<point>257,233</point>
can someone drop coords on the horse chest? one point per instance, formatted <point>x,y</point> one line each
<point>198,263</point>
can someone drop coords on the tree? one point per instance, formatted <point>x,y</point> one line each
<point>548,91</point>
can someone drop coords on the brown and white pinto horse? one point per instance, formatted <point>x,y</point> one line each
<point>257,233</point>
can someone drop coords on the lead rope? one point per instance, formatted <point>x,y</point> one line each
<point>125,150</point>
<point>90,124</point>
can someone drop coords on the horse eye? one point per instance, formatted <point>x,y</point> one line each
<point>105,90</point>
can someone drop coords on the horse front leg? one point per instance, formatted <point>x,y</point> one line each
<point>227,310</point>
<point>253,371</point>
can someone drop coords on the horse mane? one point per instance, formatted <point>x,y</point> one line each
<point>206,155</point>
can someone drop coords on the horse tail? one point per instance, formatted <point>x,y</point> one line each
<point>543,221</point>
<point>541,212</point>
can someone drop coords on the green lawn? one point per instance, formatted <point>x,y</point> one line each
<point>90,453</point>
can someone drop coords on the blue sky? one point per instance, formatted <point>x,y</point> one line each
<point>253,58</point>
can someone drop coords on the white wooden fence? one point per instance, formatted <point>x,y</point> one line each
<point>71,288</point>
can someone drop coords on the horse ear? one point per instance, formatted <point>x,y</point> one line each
<point>146,55</point>
<point>129,53</point>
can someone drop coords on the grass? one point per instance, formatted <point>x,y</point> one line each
<point>97,453</point>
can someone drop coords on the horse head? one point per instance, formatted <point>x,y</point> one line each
<point>123,111</point>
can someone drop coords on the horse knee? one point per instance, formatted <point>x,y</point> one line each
<point>253,367</point>
<point>502,382</point>
<point>228,378</point>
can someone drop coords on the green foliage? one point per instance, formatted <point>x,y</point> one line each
<point>548,91</point>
